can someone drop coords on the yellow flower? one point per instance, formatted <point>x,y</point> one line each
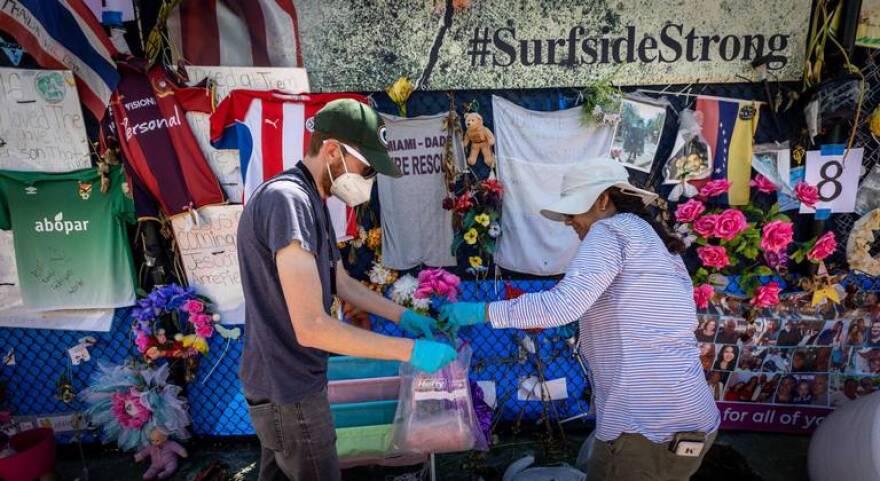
<point>875,122</point>
<point>374,238</point>
<point>470,237</point>
<point>483,220</point>
<point>475,261</point>
<point>196,342</point>
<point>399,92</point>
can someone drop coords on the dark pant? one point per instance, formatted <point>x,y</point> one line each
<point>632,457</point>
<point>298,440</point>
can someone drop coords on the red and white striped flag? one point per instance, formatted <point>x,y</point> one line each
<point>236,33</point>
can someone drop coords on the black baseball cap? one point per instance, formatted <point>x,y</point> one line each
<point>353,122</point>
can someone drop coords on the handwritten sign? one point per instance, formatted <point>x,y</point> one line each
<point>836,177</point>
<point>41,123</point>
<point>227,79</point>
<point>210,257</point>
<point>224,163</point>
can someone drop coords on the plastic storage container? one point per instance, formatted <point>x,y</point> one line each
<point>362,390</point>
<point>373,413</point>
<point>340,368</point>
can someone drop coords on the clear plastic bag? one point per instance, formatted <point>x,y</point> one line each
<point>691,158</point>
<point>435,413</point>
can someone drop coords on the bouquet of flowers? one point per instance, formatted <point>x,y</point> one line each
<point>173,322</point>
<point>747,242</point>
<point>476,220</point>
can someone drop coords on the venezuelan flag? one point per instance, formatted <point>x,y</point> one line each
<point>729,128</point>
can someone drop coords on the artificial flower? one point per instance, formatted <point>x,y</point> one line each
<point>715,188</point>
<point>494,230</point>
<point>689,211</point>
<point>763,184</point>
<point>448,203</point>
<point>399,93</point>
<point>493,187</point>
<point>142,341</point>
<point>766,295</point>
<point>205,330</point>
<point>470,237</point>
<point>776,236</point>
<point>128,409</point>
<point>464,202</point>
<point>806,193</point>
<point>824,247</point>
<point>702,295</point>
<point>684,232</point>
<point>374,238</point>
<point>195,342</point>
<point>193,306</point>
<point>476,262</point>
<point>713,256</point>
<point>437,282</point>
<point>730,223</point>
<point>705,226</point>
<point>483,219</point>
<point>403,289</point>
<point>380,275</point>
<point>421,304</point>
<point>776,260</point>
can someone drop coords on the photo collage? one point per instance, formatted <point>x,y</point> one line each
<point>795,361</point>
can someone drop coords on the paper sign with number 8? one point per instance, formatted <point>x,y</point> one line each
<point>829,178</point>
<point>836,177</point>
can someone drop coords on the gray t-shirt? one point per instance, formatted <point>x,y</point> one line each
<point>284,209</point>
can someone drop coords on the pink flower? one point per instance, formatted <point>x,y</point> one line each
<point>142,341</point>
<point>713,256</point>
<point>201,319</point>
<point>193,306</point>
<point>705,226</point>
<point>437,282</point>
<point>763,184</point>
<point>766,295</point>
<point>806,193</point>
<point>715,188</point>
<point>128,409</point>
<point>204,330</point>
<point>776,236</point>
<point>689,211</point>
<point>825,246</point>
<point>702,294</point>
<point>730,223</point>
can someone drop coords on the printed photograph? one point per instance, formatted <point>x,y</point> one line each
<point>810,332</point>
<point>845,389</point>
<point>751,358</point>
<point>791,333</point>
<point>716,381</point>
<point>777,360</point>
<point>769,384</point>
<point>743,387</point>
<point>707,329</point>
<point>769,331</point>
<point>727,357</point>
<point>840,357</point>
<point>865,361</point>
<point>857,333</point>
<point>707,355</point>
<point>787,390</point>
<point>751,333</point>
<point>637,134</point>
<point>873,339</point>
<point>811,359</point>
<point>730,330</point>
<point>833,333</point>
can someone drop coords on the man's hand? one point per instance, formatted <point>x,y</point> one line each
<point>417,324</point>
<point>463,314</point>
<point>430,356</point>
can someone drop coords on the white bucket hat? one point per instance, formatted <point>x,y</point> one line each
<point>583,184</point>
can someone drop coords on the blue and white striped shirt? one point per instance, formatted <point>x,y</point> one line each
<point>637,318</point>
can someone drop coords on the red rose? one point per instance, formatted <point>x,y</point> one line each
<point>713,256</point>
<point>702,294</point>
<point>767,295</point>
<point>689,211</point>
<point>806,193</point>
<point>730,223</point>
<point>776,236</point>
<point>824,247</point>
<point>715,188</point>
<point>705,226</point>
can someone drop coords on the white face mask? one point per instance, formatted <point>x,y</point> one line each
<point>353,189</point>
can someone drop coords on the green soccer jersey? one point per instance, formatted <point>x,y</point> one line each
<point>71,244</point>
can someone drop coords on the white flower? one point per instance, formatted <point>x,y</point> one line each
<point>379,275</point>
<point>403,290</point>
<point>494,230</point>
<point>421,304</point>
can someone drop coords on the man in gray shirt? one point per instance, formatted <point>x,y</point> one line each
<point>290,272</point>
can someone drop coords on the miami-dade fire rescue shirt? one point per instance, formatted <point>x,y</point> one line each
<point>71,244</point>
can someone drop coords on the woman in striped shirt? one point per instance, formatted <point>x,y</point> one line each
<point>632,295</point>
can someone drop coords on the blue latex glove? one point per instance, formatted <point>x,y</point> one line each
<point>463,314</point>
<point>430,356</point>
<point>417,324</point>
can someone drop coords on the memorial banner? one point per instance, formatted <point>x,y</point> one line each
<point>349,45</point>
<point>41,123</point>
<point>209,253</point>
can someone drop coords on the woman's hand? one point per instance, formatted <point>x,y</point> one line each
<point>463,314</point>
<point>417,324</point>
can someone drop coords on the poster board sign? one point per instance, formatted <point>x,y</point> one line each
<point>835,173</point>
<point>209,252</point>
<point>225,163</point>
<point>350,45</point>
<point>785,374</point>
<point>41,122</point>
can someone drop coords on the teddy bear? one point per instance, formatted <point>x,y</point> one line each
<point>163,455</point>
<point>480,139</point>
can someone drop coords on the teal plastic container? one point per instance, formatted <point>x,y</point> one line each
<point>373,413</point>
<point>340,368</point>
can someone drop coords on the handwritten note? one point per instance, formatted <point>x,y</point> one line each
<point>227,79</point>
<point>41,123</point>
<point>210,257</point>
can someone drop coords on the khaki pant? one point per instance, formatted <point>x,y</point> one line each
<point>632,457</point>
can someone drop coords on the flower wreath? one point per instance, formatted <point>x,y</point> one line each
<point>172,322</point>
<point>858,247</point>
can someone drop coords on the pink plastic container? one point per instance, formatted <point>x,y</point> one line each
<point>363,390</point>
<point>35,456</point>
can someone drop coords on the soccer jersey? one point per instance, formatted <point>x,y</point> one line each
<point>71,243</point>
<point>168,169</point>
<point>271,130</point>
